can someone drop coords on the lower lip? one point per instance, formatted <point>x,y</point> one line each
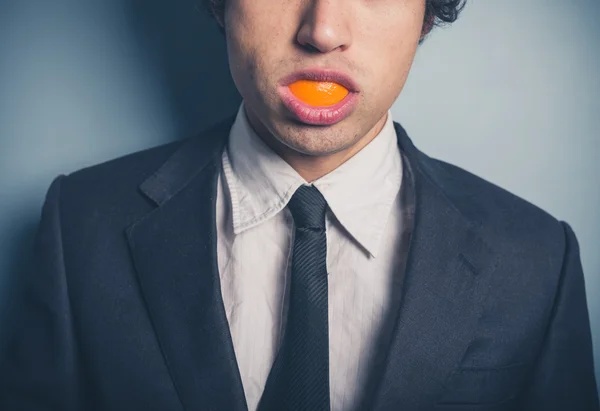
<point>315,115</point>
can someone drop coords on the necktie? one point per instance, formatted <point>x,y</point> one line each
<point>299,378</point>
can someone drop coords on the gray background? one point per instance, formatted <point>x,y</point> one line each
<point>510,92</point>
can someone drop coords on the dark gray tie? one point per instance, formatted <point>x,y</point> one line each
<point>299,378</point>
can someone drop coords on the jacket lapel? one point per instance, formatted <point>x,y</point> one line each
<point>445,282</point>
<point>174,250</point>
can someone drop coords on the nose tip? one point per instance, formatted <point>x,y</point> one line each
<point>324,28</point>
<point>320,39</point>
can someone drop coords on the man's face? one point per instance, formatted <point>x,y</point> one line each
<point>372,41</point>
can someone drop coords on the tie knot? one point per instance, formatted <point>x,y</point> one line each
<point>308,207</point>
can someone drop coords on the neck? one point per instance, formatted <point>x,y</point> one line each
<point>312,167</point>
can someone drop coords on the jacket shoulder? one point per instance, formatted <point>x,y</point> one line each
<point>106,196</point>
<point>130,169</point>
<point>519,230</point>
<point>487,203</point>
<point>122,177</point>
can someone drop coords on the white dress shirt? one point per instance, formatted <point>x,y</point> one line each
<point>255,235</point>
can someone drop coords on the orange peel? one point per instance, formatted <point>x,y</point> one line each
<point>318,93</point>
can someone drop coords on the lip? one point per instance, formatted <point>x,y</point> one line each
<point>319,115</point>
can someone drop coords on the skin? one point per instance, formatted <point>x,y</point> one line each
<point>373,41</point>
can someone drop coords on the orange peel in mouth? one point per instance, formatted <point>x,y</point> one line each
<point>318,93</point>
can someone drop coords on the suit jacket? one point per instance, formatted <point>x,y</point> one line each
<point>125,312</point>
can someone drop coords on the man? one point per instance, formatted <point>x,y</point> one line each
<point>304,255</point>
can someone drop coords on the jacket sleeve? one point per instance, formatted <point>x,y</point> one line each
<point>563,378</point>
<point>39,364</point>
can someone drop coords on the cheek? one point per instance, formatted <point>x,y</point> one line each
<point>249,53</point>
<point>395,28</point>
<point>252,21</point>
<point>394,51</point>
<point>242,55</point>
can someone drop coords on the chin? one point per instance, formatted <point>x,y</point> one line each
<point>316,142</point>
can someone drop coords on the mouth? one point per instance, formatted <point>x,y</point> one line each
<point>309,112</point>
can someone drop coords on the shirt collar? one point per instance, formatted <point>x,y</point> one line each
<point>360,193</point>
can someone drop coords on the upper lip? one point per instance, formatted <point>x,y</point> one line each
<point>321,74</point>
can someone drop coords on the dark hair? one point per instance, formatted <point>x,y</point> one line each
<point>437,12</point>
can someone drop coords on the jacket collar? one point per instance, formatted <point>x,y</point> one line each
<point>175,255</point>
